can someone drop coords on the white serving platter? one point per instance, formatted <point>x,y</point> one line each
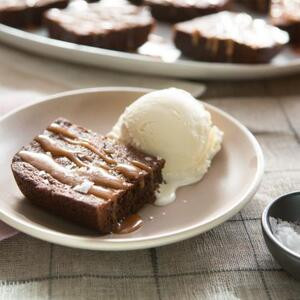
<point>157,57</point>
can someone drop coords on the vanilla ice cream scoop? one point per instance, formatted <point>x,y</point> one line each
<point>173,125</point>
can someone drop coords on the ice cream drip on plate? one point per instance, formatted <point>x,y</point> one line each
<point>173,125</point>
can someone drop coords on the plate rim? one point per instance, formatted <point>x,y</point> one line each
<point>241,71</point>
<point>144,242</point>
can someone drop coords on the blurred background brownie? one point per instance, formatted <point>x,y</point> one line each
<point>285,14</point>
<point>117,27</point>
<point>259,6</point>
<point>229,37</point>
<point>25,13</point>
<point>136,2</point>
<point>182,10</point>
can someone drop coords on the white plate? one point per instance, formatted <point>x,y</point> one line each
<point>230,183</point>
<point>169,64</point>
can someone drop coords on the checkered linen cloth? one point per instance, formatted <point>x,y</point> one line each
<point>228,262</point>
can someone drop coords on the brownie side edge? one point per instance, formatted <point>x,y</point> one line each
<point>198,50</point>
<point>129,39</point>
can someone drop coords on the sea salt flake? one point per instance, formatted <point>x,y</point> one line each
<point>147,158</point>
<point>287,233</point>
<point>41,173</point>
<point>49,153</point>
<point>84,187</point>
<point>83,169</point>
<point>46,181</point>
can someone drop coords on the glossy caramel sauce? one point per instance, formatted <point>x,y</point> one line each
<point>90,146</point>
<point>67,134</point>
<point>103,177</point>
<point>129,171</point>
<point>141,165</point>
<point>130,224</point>
<point>45,163</point>
<point>55,128</point>
<point>49,145</point>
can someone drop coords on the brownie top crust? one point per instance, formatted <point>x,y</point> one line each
<point>190,3</point>
<point>285,11</point>
<point>82,18</point>
<point>21,4</point>
<point>238,27</point>
<point>86,162</point>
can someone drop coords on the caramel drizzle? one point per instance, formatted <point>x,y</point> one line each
<point>102,165</point>
<point>98,174</point>
<point>101,192</point>
<point>51,146</point>
<point>141,165</point>
<point>102,177</point>
<point>45,163</point>
<point>130,224</point>
<point>132,172</point>
<point>55,128</point>
<point>128,171</point>
<point>91,147</point>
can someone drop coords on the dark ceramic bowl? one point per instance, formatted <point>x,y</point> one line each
<point>287,208</point>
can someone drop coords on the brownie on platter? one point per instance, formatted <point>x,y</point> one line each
<point>182,10</point>
<point>136,2</point>
<point>229,37</point>
<point>26,13</point>
<point>116,27</point>
<point>285,14</point>
<point>259,6</point>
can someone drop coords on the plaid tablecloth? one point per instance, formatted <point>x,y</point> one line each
<point>228,262</point>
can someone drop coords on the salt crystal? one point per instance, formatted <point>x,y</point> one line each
<point>83,169</point>
<point>84,187</point>
<point>49,153</point>
<point>147,158</point>
<point>41,173</point>
<point>287,233</point>
<point>46,181</point>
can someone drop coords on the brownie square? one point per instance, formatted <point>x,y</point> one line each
<point>259,6</point>
<point>119,27</point>
<point>229,37</point>
<point>24,14</point>
<point>84,177</point>
<point>182,10</point>
<point>285,15</point>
